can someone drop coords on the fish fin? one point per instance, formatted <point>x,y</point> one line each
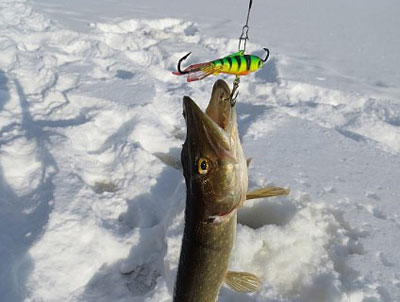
<point>194,68</point>
<point>267,192</point>
<point>202,72</point>
<point>169,160</point>
<point>248,161</point>
<point>217,69</point>
<point>198,75</point>
<point>242,282</point>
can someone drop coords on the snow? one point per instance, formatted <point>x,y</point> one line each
<point>91,128</point>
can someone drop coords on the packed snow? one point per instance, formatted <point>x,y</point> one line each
<point>91,196</point>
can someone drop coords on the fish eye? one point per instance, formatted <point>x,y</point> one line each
<point>203,166</point>
<point>259,63</point>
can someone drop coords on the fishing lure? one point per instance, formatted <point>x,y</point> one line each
<point>237,64</point>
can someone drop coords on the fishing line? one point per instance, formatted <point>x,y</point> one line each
<point>245,30</point>
<point>242,39</point>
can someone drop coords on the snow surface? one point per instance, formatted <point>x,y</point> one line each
<point>91,202</point>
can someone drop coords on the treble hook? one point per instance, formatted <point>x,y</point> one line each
<point>180,61</point>
<point>267,56</point>
<point>234,92</point>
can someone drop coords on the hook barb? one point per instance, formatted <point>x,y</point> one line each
<point>267,54</point>
<point>180,61</point>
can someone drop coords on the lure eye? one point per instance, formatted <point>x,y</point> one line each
<point>259,64</point>
<point>203,166</point>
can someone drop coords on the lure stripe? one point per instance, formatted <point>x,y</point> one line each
<point>218,62</point>
<point>248,62</point>
<point>239,61</point>
<point>244,64</point>
<point>229,62</point>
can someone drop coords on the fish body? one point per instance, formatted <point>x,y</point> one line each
<point>237,64</point>
<point>205,255</point>
<point>215,172</point>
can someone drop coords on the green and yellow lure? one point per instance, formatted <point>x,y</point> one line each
<point>237,63</point>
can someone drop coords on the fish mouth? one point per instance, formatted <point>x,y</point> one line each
<point>212,126</point>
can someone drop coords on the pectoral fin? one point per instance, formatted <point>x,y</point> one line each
<point>169,160</point>
<point>242,282</point>
<point>267,192</point>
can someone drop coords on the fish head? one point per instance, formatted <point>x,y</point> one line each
<point>213,161</point>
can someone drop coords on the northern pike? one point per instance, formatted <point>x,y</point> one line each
<point>215,171</point>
